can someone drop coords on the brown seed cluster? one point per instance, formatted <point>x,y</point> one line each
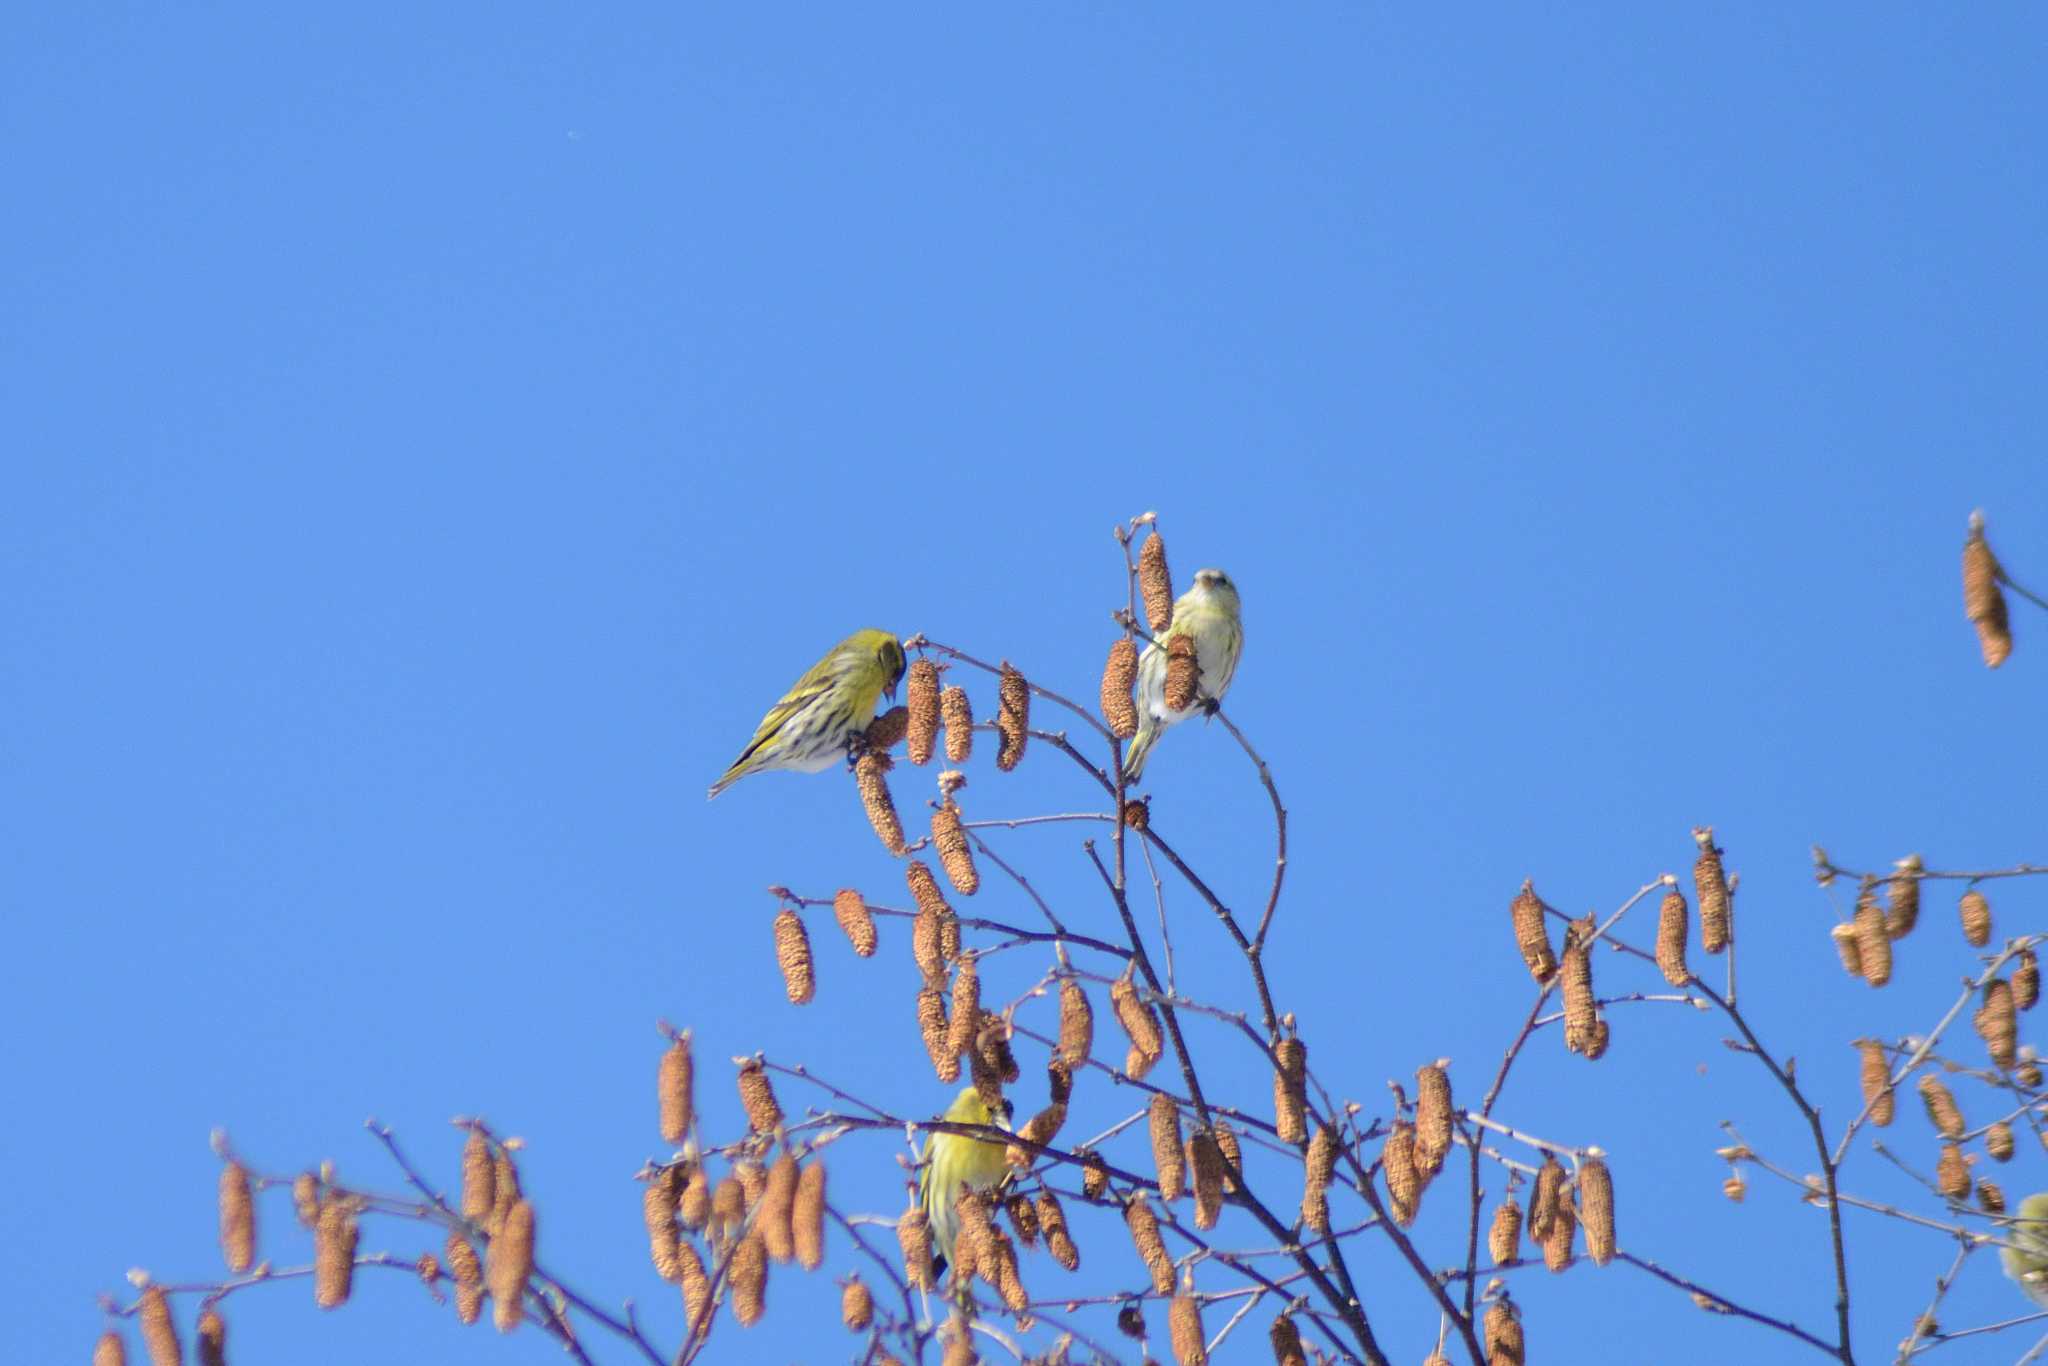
<point>1286,1340</point>
<point>958,715</point>
<point>793,956</point>
<point>508,1263</point>
<point>1585,1031</point>
<point>1997,1023</point>
<point>1504,1238</point>
<point>1544,1198</point>
<point>955,854</point>
<point>962,1028</point>
<point>748,1272</point>
<point>921,694</point>
<point>914,1234</point>
<point>1183,673</point>
<point>1290,1090</point>
<point>467,1271</point>
<point>1710,883</point>
<point>871,773</point>
<point>479,1172</point>
<point>1404,1180</point>
<point>1873,940</point>
<point>936,1030</point>
<point>1952,1174</point>
<point>1942,1110</point>
<point>1013,718</point>
<point>1144,1227</point>
<point>1564,1227</point>
<point>1184,1322</point>
<point>778,1200</point>
<point>1902,893</point>
<point>1671,934</point>
<point>1140,1025</point>
<point>2026,979</point>
<point>1118,673</point>
<point>1167,1158</point>
<point>110,1350</point>
<point>1318,1167</point>
<point>885,730</point>
<point>237,1218</point>
<point>1976,916</point>
<point>758,1097</point>
<point>676,1085</point>
<point>1596,1207</point>
<point>1850,947</point>
<point>213,1337</point>
<point>1432,1117</point>
<point>1983,599</point>
<point>306,1197</point>
<point>1532,936</point>
<point>1998,1141</point>
<point>1059,1240</point>
<point>334,1252</point>
<point>1233,1158</point>
<point>855,921</point>
<point>159,1331</point>
<point>1876,1078</point>
<point>1505,1345</point>
<point>1155,583</point>
<point>658,1211</point>
<point>1205,1161</point>
<point>1077,1024</point>
<point>1990,1197</point>
<point>1094,1175</point>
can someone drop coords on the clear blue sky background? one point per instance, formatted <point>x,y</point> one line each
<point>435,435</point>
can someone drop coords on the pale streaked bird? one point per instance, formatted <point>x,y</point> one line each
<point>817,721</point>
<point>1209,614</point>
<point>2026,1261</point>
<point>954,1160</point>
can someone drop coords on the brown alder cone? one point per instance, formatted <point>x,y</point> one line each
<point>1316,1170</point>
<point>1000,1269</point>
<point>334,1252</point>
<point>1902,894</point>
<point>693,1211</point>
<point>676,1086</point>
<point>1998,1141</point>
<point>1290,1090</point>
<point>159,1331</point>
<point>1671,933</point>
<point>885,730</point>
<point>1077,1024</point>
<point>914,1235</point>
<point>110,1350</point>
<point>1952,1174</point>
<point>855,921</point>
<point>1233,1156</point>
<point>1504,1342</point>
<point>1155,584</point>
<point>748,1273</point>
<point>1983,599</point>
<point>1564,1226</point>
<point>1596,1207</point>
<point>1094,1175</point>
<point>213,1338</point>
<point>2028,1073</point>
<point>955,855</point>
<point>1876,1077</point>
<point>1504,1239</point>
<point>965,1017</point>
<point>728,1209</point>
<point>778,1201</point>
<point>1941,1107</point>
<point>1849,946</point>
<point>1532,936</point>
<point>1164,1119</point>
<point>1205,1161</point>
<point>1735,1187</point>
<point>1041,1129</point>
<point>504,1185</point>
<point>856,1304</point>
<point>2026,979</point>
<point>1023,1216</point>
<point>1581,1015</point>
<point>793,956</point>
<point>1183,673</point>
<point>1990,1197</point>
<point>696,1283</point>
<point>958,714</point>
<point>933,1025</point>
<point>1117,676</point>
<point>971,1242</point>
<point>508,1263</point>
<point>807,1220</point>
<point>1140,1025</point>
<point>990,1062</point>
<point>1432,1117</point>
<point>1052,1222</point>
<point>1873,941</point>
<point>921,696</point>
<point>871,774</point>
<point>1286,1340</point>
<point>479,1173</point>
<point>1144,1227</point>
<point>1710,883</point>
<point>1975,913</point>
<point>467,1271</point>
<point>924,889</point>
<point>1998,1024</point>
<point>237,1218</point>
<point>1013,718</point>
<point>1543,1198</point>
<point>1184,1322</point>
<point>1404,1181</point>
<point>959,1349</point>
<point>758,1098</point>
<point>658,1212</point>
<point>1138,813</point>
<point>306,1199</point>
<point>428,1269</point>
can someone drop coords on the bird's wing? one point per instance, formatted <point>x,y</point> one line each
<point>808,689</point>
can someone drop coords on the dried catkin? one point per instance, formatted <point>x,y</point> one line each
<point>1596,1207</point>
<point>658,1212</point>
<point>1205,1168</point>
<point>1532,936</point>
<point>856,1304</point>
<point>1432,1117</point>
<point>1155,583</point>
<point>334,1252</point>
<point>1849,946</point>
<point>1942,1110</point>
<point>1117,676</point>
<point>1504,1239</point>
<point>1581,1015</point>
<point>758,1098</point>
<point>1404,1182</point>
<point>1184,1320</point>
<point>871,774</point>
<point>1998,1024</point>
<point>1023,1216</point>
<point>748,1273</point>
<point>1564,1225</point>
<point>728,1208</point>
<point>237,1218</point>
<point>213,1338</point>
<point>1144,1227</point>
<point>1233,1157</point>
<point>1286,1340</point>
<point>1316,1169</point>
<point>1873,941</point>
<point>1164,1119</point>
<point>1000,1269</point>
<point>1290,1090</point>
<point>1876,1078</point>
<point>885,730</point>
<point>955,854</point>
<point>1902,893</point>
<point>696,1283</point>
<point>306,1198</point>
<point>504,1185</point>
<point>479,1173</point>
<point>933,1025</point>
<point>1983,599</point>
<point>693,1211</point>
<point>966,1015</point>
<point>1544,1197</point>
<point>921,694</point>
<point>807,1219</point>
<point>110,1350</point>
<point>1998,1141</point>
<point>778,1198</point>
<point>1976,916</point>
<point>1735,1187</point>
<point>1013,718</point>
<point>793,956</point>
<point>1052,1222</point>
<point>1183,673</point>
<point>1504,1343</point>
<point>1041,1129</point>
<point>676,1085</point>
<point>467,1271</point>
<point>159,1331</point>
<point>508,1262</point>
<point>2026,979</point>
<point>1671,932</point>
<point>1077,1024</point>
<point>958,714</point>
<point>1952,1174</point>
<point>1710,883</point>
<point>1990,1197</point>
<point>856,922</point>
<point>914,1235</point>
<point>1140,1025</point>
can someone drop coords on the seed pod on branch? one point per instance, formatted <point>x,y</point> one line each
<point>237,1218</point>
<point>1013,718</point>
<point>856,1304</point>
<point>334,1252</point>
<point>1710,883</point>
<point>1404,1181</point>
<point>885,730</point>
<point>1155,583</point>
<point>1052,1221</point>
<point>1983,599</point>
<point>1544,1197</point>
<point>1564,1227</point>
<point>1532,936</point>
<point>467,1271</point>
<point>1023,1217</point>
<point>479,1173</point>
<point>1876,1078</point>
<point>508,1263</point>
<point>1975,912</point>
<point>696,1283</point>
<point>1596,1206</point>
<point>807,1219</point>
<point>955,855</point>
<point>855,921</point>
<point>2026,979</point>
<point>110,1350</point>
<point>1317,1168</point>
<point>1952,1174</point>
<point>1094,1174</point>
<point>1942,1110</point>
<point>1873,941</point>
<point>1671,934</point>
<point>778,1201</point>
<point>1117,675</point>
<point>1184,1322</point>
<point>871,774</point>
<point>1849,947</point>
<point>966,1012</point>
<point>504,1185</point>
<point>213,1337</point>
<point>1432,1117</point>
<point>159,1330</point>
<point>748,1273</point>
<point>1581,1014</point>
<point>675,1084</point>
<point>1041,1129</point>
<point>758,1098</point>
<point>1183,673</point>
<point>1164,1119</point>
<point>658,1212</point>
<point>1504,1342</point>
<point>793,956</point>
<point>1902,892</point>
<point>921,693</point>
<point>1735,1187</point>
<point>1998,1141</point>
<point>728,1209</point>
<point>1997,1024</point>
<point>1140,1025</point>
<point>306,1196</point>
<point>1077,1024</point>
<point>914,1234</point>
<point>694,1210</point>
<point>1990,1197</point>
<point>1144,1227</point>
<point>958,715</point>
<point>1290,1089</point>
<point>1286,1340</point>
<point>1504,1239</point>
<point>1233,1156</point>
<point>1205,1163</point>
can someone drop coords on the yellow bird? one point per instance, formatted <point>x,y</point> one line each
<point>1209,613</point>
<point>824,712</point>
<point>2026,1260</point>
<point>954,1160</point>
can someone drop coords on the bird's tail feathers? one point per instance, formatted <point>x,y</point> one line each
<point>1141,747</point>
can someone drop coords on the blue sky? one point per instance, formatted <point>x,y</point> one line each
<point>439,435</point>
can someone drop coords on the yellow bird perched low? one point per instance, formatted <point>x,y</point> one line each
<point>819,718</point>
<point>955,1160</point>
<point>1209,614</point>
<point>2026,1260</point>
